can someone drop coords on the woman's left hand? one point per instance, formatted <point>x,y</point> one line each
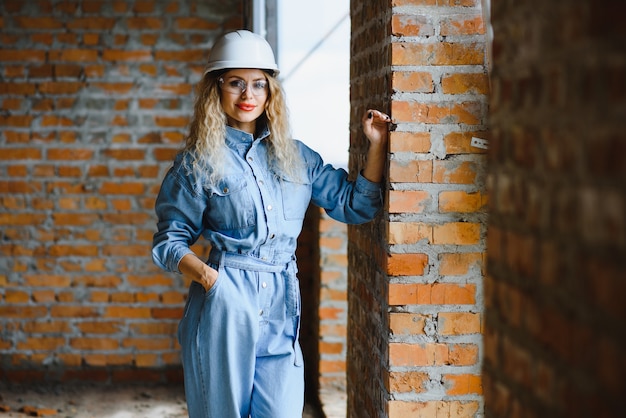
<point>375,126</point>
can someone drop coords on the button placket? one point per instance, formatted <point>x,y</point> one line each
<point>265,192</point>
<point>265,298</point>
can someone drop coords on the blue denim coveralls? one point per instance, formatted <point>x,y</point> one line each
<point>240,351</point>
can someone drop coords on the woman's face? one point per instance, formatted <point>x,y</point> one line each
<point>244,94</point>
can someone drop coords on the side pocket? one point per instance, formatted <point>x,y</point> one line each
<point>292,293</point>
<point>183,324</point>
<point>299,358</point>
<point>218,268</point>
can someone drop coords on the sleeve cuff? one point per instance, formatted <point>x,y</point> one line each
<point>367,187</point>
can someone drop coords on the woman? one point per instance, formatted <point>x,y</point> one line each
<point>245,185</point>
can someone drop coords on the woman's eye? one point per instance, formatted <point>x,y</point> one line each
<point>259,85</point>
<point>237,84</point>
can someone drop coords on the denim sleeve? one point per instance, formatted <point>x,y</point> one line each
<point>179,212</point>
<point>352,202</point>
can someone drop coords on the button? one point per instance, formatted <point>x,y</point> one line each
<point>272,236</point>
<point>261,182</point>
<point>250,159</point>
<point>269,207</point>
<point>260,312</point>
<point>264,285</point>
<point>225,190</point>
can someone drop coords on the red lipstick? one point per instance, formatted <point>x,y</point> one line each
<point>246,107</point>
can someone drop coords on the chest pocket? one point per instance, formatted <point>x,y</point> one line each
<point>296,198</point>
<point>230,205</point>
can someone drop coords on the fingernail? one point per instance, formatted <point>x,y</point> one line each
<point>370,115</point>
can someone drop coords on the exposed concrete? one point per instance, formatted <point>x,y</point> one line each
<point>93,401</point>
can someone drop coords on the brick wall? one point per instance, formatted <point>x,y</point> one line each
<point>322,264</point>
<point>415,274</point>
<point>333,306</point>
<point>554,331</point>
<point>94,97</point>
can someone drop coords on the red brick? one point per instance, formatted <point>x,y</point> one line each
<point>188,55</point>
<point>17,88</point>
<point>456,264</point>
<point>416,382</point>
<point>458,323</point>
<point>411,25</point>
<point>455,172</point>
<point>462,25</point>
<point>407,264</point>
<point>413,82</point>
<point>432,294</point>
<point>469,113</point>
<point>73,55</point>
<point>463,384</point>
<point>330,366</point>
<point>22,55</point>
<point>41,343</point>
<point>20,154</point>
<point>114,88</point>
<point>67,311</point>
<point>409,232</point>
<point>407,323</point>
<point>460,201</point>
<point>144,23</point>
<point>429,354</point>
<point>122,55</point>
<point>92,23</point>
<point>452,409</point>
<point>194,23</point>
<point>442,53</point>
<point>93,344</point>
<point>459,233</point>
<point>464,83</point>
<point>131,188</point>
<point>60,87</point>
<point>409,142</point>
<point>408,201</point>
<point>127,312</point>
<point>413,171</point>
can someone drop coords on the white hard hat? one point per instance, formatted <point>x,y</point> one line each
<point>241,49</point>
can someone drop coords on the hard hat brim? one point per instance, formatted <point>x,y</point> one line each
<point>230,65</point>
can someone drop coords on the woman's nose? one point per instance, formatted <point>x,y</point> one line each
<point>247,92</point>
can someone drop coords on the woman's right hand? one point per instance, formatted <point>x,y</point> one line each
<point>197,270</point>
<point>209,278</point>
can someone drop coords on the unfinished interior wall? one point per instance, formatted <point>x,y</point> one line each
<point>95,97</point>
<point>415,274</point>
<point>554,331</point>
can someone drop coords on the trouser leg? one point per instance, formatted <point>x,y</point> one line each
<point>279,384</point>
<point>279,374</point>
<point>218,337</point>
<point>239,348</point>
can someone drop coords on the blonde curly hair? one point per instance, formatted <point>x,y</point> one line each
<point>206,139</point>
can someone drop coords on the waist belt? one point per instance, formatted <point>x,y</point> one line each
<point>245,262</point>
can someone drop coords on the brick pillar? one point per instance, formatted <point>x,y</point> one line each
<point>308,256</point>
<point>555,311</point>
<point>95,98</point>
<point>415,274</point>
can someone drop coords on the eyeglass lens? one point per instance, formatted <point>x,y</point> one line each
<point>238,86</point>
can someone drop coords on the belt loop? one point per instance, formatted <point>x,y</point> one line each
<point>216,257</point>
<point>222,257</point>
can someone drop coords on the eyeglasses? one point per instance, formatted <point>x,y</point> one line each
<point>238,86</point>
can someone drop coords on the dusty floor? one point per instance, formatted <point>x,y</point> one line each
<point>88,401</point>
